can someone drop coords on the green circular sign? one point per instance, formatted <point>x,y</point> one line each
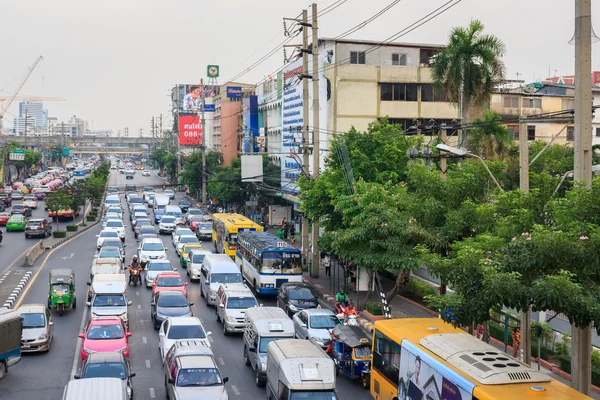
<point>212,71</point>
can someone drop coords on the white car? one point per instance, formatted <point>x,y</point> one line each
<point>170,194</point>
<point>110,216</point>
<point>146,173</point>
<point>195,264</point>
<point>167,224</point>
<point>151,249</point>
<point>179,328</point>
<point>116,225</point>
<point>150,199</point>
<point>183,240</point>
<point>155,267</point>
<point>178,232</point>
<point>104,235</point>
<point>115,210</point>
<point>113,200</point>
<point>191,212</point>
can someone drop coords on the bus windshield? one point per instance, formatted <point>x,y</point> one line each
<point>276,262</point>
<point>313,395</point>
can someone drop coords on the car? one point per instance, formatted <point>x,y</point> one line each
<point>17,195</point>
<point>184,257</point>
<point>166,224</point>
<point>146,231</point>
<point>191,372</point>
<point>315,324</point>
<point>155,267</point>
<point>30,201</point>
<point>109,252</point>
<point>192,212</point>
<point>183,240</point>
<point>178,232</point>
<point>140,224</point>
<point>38,227</point>
<point>169,303</point>
<point>112,191</point>
<point>129,174</point>
<point>146,173</point>
<point>6,199</point>
<point>21,209</point>
<point>295,296</point>
<point>138,215</point>
<point>116,211</point>
<point>136,199</point>
<point>147,190</point>
<point>16,222</point>
<point>194,265</point>
<point>158,214</point>
<point>117,226</point>
<point>107,365</point>
<point>151,249</point>
<point>194,221</point>
<point>169,193</point>
<point>115,243</point>
<point>104,333</point>
<point>185,205</point>
<point>4,216</point>
<point>181,328</point>
<point>38,328</point>
<point>169,280</point>
<point>150,199</point>
<point>204,231</point>
<point>106,234</point>
<point>121,170</point>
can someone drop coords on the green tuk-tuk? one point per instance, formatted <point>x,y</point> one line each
<point>61,293</point>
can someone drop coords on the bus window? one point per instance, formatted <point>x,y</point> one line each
<point>232,239</point>
<point>386,358</point>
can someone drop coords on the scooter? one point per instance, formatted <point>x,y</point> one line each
<point>134,276</point>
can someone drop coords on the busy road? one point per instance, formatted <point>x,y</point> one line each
<point>45,375</point>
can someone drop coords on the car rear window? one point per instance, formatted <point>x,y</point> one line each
<point>34,223</point>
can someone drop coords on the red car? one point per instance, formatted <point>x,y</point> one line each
<point>105,334</point>
<point>4,216</point>
<point>196,220</point>
<point>169,281</point>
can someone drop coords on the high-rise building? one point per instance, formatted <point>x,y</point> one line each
<point>36,110</point>
<point>23,126</point>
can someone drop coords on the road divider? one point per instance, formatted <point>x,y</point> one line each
<point>17,291</point>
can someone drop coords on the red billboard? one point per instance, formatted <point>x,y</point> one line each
<point>190,130</point>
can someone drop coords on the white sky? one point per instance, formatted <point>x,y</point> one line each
<point>114,61</point>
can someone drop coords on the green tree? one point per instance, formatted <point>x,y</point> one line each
<point>471,61</point>
<point>58,200</point>
<point>157,157</point>
<point>170,162</point>
<point>489,139</point>
<point>192,170</point>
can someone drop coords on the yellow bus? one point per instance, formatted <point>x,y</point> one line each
<point>426,358</point>
<point>225,229</point>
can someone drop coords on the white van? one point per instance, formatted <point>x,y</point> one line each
<point>217,269</point>
<point>96,389</point>
<point>175,211</point>
<point>161,201</point>
<point>109,296</point>
<point>233,300</point>
<point>112,200</point>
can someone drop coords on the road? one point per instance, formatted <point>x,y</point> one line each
<point>44,376</point>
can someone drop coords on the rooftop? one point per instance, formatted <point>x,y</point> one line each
<point>379,43</point>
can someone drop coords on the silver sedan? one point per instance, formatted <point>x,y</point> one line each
<point>315,324</point>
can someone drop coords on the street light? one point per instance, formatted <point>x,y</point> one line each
<point>595,168</point>
<point>465,153</point>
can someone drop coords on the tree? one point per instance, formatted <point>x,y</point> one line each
<point>471,61</point>
<point>157,156</point>
<point>59,200</point>
<point>490,139</point>
<point>192,170</point>
<point>226,185</point>
<point>170,162</point>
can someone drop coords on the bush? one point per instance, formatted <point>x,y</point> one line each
<point>59,234</point>
<point>83,225</point>
<point>72,228</point>
<point>373,307</point>
<point>418,289</point>
<point>91,218</point>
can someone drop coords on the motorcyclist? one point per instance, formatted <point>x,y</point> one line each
<point>351,310</point>
<point>135,265</point>
<point>342,298</point>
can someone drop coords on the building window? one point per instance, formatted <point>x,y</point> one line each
<point>511,102</point>
<point>357,57</point>
<point>532,103</point>
<point>428,93</point>
<point>597,132</point>
<point>515,131</point>
<point>568,104</point>
<point>425,57</point>
<point>411,92</point>
<point>398,59</point>
<point>386,92</point>
<point>570,133</point>
<point>399,92</point>
<point>530,132</point>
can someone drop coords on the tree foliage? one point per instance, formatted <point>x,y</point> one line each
<point>58,200</point>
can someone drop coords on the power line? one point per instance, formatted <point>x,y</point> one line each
<point>367,21</point>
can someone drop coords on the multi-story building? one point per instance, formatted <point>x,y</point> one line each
<point>270,95</point>
<point>34,109</point>
<point>24,125</point>
<point>74,127</point>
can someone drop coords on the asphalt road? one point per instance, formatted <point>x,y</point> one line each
<point>43,376</point>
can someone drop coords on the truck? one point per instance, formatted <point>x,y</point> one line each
<point>11,330</point>
<point>262,325</point>
<point>108,293</point>
<point>299,369</point>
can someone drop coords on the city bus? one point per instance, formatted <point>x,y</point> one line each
<point>225,230</point>
<point>267,262</point>
<point>426,358</point>
<point>79,172</point>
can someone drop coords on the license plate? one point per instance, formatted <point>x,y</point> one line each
<point>26,346</point>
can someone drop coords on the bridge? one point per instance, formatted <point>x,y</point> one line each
<point>45,142</point>
<point>106,150</point>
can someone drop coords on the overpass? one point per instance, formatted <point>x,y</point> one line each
<point>106,150</point>
<point>44,142</point>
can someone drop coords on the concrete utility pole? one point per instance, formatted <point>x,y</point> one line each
<point>204,174</point>
<point>25,131</point>
<point>316,132</point>
<point>581,359</point>
<point>153,129</point>
<point>304,125</point>
<point>443,160</point>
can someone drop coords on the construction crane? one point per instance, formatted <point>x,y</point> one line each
<point>21,84</point>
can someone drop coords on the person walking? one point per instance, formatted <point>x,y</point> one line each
<point>516,339</point>
<point>282,223</point>
<point>327,264</point>
<point>286,231</point>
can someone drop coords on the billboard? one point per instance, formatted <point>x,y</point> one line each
<point>250,124</point>
<point>234,92</point>
<point>188,98</point>
<point>252,168</point>
<point>190,130</point>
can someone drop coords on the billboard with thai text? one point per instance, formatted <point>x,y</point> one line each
<point>190,130</point>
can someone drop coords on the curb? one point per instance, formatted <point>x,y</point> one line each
<point>16,291</point>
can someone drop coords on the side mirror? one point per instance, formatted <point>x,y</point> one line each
<point>222,305</point>
<point>129,334</point>
<point>89,304</point>
<point>89,283</point>
<point>95,255</point>
<point>171,381</point>
<point>129,302</point>
<point>81,335</point>
<point>152,304</point>
<point>77,376</point>
<point>131,375</point>
<point>191,303</point>
<point>226,379</point>
<point>50,323</point>
<point>302,325</point>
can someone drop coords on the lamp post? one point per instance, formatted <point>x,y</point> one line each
<point>465,153</point>
<point>595,168</point>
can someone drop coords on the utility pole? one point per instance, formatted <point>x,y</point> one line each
<point>525,345</point>
<point>305,125</point>
<point>153,130</point>
<point>443,160</point>
<point>204,174</point>
<point>25,132</point>
<point>62,141</point>
<point>581,359</point>
<point>314,273</point>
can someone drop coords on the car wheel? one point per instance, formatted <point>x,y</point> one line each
<point>3,369</point>
<point>225,332</point>
<point>219,318</point>
<point>26,236</point>
<point>246,359</point>
<point>201,292</point>
<point>257,379</point>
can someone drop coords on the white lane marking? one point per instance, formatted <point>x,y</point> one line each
<point>77,353</point>
<point>139,306</point>
<point>235,390</point>
<point>211,339</point>
<point>152,394</point>
<point>137,293</point>
<point>144,340</point>
<point>148,364</point>
<point>221,361</point>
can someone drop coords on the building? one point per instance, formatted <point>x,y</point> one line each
<point>74,127</point>
<point>269,94</point>
<point>227,122</point>
<point>24,125</point>
<point>536,99</point>
<point>36,110</point>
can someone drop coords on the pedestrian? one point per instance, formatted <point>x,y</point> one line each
<point>286,231</point>
<point>282,223</point>
<point>480,331</point>
<point>352,272</point>
<point>322,257</point>
<point>292,231</point>
<point>327,263</point>
<point>516,339</point>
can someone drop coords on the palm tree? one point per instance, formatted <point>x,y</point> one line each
<point>472,62</point>
<point>489,139</point>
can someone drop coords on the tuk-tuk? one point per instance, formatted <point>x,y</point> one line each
<point>62,290</point>
<point>351,353</point>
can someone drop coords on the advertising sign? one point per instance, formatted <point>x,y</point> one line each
<point>190,130</point>
<point>212,71</point>
<point>422,377</point>
<point>234,92</point>
<point>250,123</point>
<point>189,97</point>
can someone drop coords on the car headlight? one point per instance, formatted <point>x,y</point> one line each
<point>293,307</point>
<point>161,316</point>
<point>87,351</point>
<point>42,336</point>
<point>122,349</point>
<point>316,339</point>
<point>263,366</point>
<point>231,319</point>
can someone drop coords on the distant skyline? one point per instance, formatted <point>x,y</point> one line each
<point>116,61</point>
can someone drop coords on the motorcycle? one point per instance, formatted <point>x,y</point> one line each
<point>135,277</point>
<point>1,236</point>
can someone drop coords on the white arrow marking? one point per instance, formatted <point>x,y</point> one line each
<point>71,256</point>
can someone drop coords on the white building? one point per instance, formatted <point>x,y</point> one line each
<point>23,126</point>
<point>74,127</point>
<point>34,109</point>
<point>270,98</point>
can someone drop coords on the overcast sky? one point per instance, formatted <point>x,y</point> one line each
<point>114,61</point>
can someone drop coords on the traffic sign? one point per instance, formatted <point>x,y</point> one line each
<point>18,151</point>
<point>16,156</point>
<point>212,71</point>
<point>66,151</point>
